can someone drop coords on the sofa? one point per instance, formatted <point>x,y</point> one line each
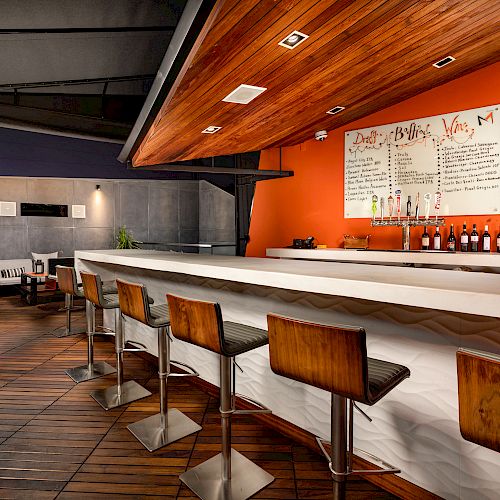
<point>14,264</point>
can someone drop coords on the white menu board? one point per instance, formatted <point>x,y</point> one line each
<point>457,154</point>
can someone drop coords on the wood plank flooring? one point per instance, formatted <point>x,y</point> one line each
<point>57,442</point>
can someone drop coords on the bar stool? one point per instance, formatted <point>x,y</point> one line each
<point>479,397</point>
<point>92,369</point>
<point>68,283</point>
<point>334,358</point>
<point>169,425</point>
<point>121,393</point>
<point>229,475</point>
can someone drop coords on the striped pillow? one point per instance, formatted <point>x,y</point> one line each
<point>12,273</point>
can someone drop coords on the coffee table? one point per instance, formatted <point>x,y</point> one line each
<point>32,284</point>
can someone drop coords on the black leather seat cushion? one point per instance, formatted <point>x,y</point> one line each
<point>383,376</point>
<point>240,338</point>
<point>110,301</point>
<point>160,316</point>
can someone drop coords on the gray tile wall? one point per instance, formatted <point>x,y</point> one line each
<point>155,211</point>
<point>216,217</point>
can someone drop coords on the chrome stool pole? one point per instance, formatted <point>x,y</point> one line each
<point>92,369</point>
<point>67,281</point>
<point>229,475</point>
<point>168,425</point>
<point>123,392</point>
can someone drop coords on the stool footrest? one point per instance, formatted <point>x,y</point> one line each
<point>386,468</point>
<point>261,409</point>
<point>191,371</point>
<point>103,330</point>
<point>136,346</point>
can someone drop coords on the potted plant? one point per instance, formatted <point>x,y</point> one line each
<point>125,240</point>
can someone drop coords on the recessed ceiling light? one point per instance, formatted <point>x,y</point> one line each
<point>293,39</point>
<point>444,62</point>
<point>211,129</point>
<point>244,94</point>
<point>335,110</point>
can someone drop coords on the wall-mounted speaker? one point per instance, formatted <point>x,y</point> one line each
<point>7,209</point>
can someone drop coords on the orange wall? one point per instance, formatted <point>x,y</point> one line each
<point>311,202</point>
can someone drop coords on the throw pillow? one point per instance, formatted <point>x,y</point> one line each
<point>12,273</point>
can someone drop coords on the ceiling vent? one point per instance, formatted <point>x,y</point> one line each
<point>244,94</point>
<point>211,130</point>
<point>444,62</point>
<point>293,39</point>
<point>335,110</point>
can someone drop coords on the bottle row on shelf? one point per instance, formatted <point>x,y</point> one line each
<point>466,242</point>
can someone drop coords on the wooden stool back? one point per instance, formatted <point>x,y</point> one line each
<point>196,322</point>
<point>479,397</point>
<point>66,279</point>
<point>92,287</point>
<point>329,357</point>
<point>133,299</point>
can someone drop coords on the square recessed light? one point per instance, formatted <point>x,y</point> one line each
<point>244,94</point>
<point>211,129</point>
<point>444,62</point>
<point>335,110</point>
<point>293,39</point>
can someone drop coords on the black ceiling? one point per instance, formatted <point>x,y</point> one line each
<point>81,68</point>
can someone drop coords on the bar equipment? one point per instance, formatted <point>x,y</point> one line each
<point>390,202</point>
<point>374,206</point>
<point>398,203</point>
<point>382,206</point>
<point>417,206</point>
<point>427,199</point>
<point>437,203</point>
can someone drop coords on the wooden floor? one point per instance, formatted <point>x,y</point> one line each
<point>56,442</point>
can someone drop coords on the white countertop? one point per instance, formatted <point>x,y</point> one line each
<point>473,293</point>
<point>430,257</point>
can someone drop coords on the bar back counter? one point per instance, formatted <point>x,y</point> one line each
<point>417,317</point>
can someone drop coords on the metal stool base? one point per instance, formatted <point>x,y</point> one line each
<point>82,373</point>
<point>63,332</point>
<point>131,391</point>
<point>206,482</point>
<point>153,436</point>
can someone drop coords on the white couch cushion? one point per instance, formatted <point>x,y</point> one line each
<point>11,264</point>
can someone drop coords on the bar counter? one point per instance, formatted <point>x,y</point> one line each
<point>413,316</point>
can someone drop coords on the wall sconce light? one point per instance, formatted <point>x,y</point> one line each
<point>97,187</point>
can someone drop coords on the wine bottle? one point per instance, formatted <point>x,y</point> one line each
<point>425,239</point>
<point>474,239</point>
<point>486,240</point>
<point>451,244</point>
<point>437,239</point>
<point>464,239</point>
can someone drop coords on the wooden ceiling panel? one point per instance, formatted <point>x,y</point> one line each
<point>364,55</point>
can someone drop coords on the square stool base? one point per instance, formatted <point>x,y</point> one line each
<point>247,479</point>
<point>62,332</point>
<point>131,391</point>
<point>82,373</point>
<point>152,435</point>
